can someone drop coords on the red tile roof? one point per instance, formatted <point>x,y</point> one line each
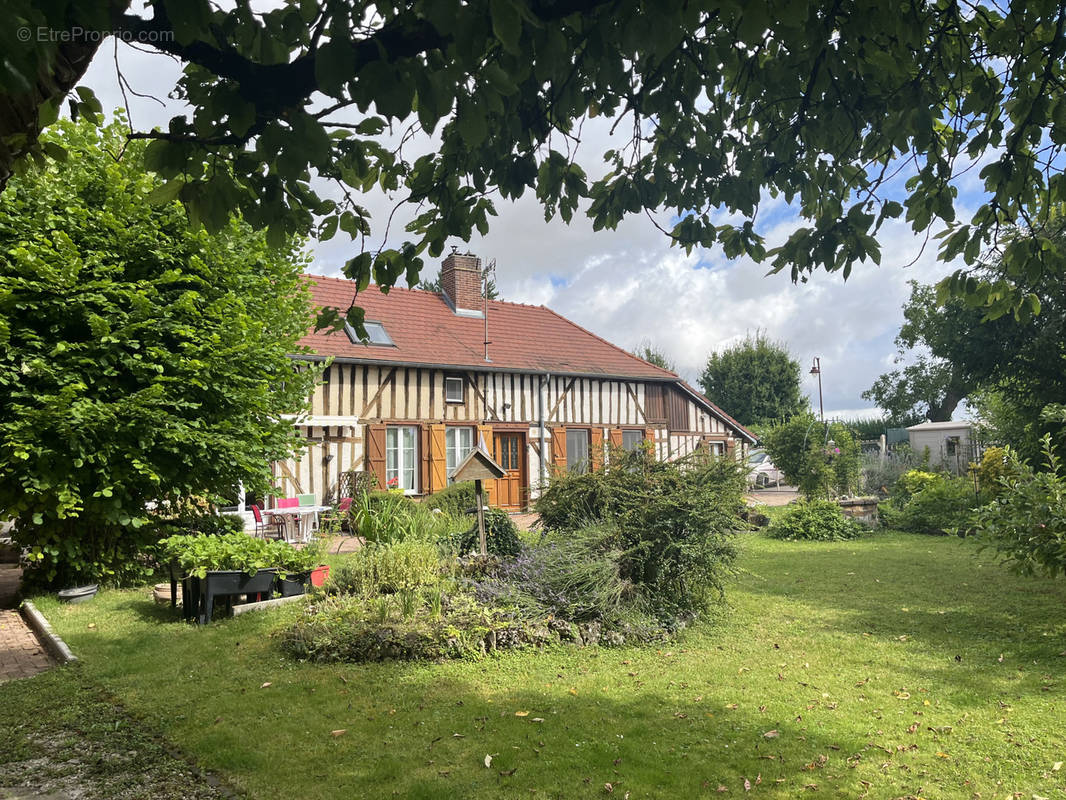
<point>426,331</point>
<point>523,338</point>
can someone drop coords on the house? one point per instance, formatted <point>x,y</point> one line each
<point>951,445</point>
<point>443,372</point>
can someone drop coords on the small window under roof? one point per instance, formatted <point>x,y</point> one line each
<point>375,330</point>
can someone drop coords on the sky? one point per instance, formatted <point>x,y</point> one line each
<point>629,285</point>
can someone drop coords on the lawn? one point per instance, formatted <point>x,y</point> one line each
<point>893,666</point>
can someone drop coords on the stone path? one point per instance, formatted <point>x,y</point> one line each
<point>21,655</point>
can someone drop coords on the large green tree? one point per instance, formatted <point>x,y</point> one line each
<point>716,104</point>
<point>1012,369</point>
<point>951,353</point>
<point>756,379</point>
<point>141,360</point>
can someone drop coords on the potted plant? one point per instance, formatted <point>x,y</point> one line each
<point>294,568</point>
<point>221,566</point>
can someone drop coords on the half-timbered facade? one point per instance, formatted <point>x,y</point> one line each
<point>443,372</point>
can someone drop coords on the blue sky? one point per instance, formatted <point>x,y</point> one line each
<point>630,286</point>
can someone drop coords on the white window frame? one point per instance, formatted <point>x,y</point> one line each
<point>405,458</point>
<point>454,449</point>
<point>579,467</point>
<point>448,398</point>
<point>632,431</point>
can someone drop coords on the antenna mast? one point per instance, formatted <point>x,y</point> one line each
<point>490,269</point>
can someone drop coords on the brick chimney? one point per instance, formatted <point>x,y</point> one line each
<point>460,279</point>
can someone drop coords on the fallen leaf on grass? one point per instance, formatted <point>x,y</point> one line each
<point>771,734</point>
<point>732,706</point>
<point>747,785</point>
<point>507,773</point>
<point>722,789</point>
<point>521,713</point>
<point>1056,766</point>
<point>942,755</point>
<point>339,732</point>
<point>537,719</point>
<point>488,761</point>
<point>608,787</point>
<point>265,685</point>
<point>912,728</point>
<point>572,691</point>
<point>903,695</point>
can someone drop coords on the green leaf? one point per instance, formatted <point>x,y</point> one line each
<point>506,24</point>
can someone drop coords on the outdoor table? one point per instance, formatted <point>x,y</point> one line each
<point>299,514</point>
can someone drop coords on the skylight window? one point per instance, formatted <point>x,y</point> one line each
<point>375,330</point>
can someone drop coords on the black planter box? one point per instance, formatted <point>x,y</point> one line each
<point>294,583</point>
<point>229,583</point>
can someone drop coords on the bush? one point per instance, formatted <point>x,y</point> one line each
<point>878,475</point>
<point>1027,523</point>
<point>387,569</point>
<point>575,577</point>
<point>814,520</point>
<point>501,535</point>
<point>436,626</point>
<point>995,471</point>
<point>820,459</point>
<point>455,499</point>
<point>382,517</point>
<point>927,502</point>
<point>675,522</point>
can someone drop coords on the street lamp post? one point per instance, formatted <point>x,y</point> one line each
<point>816,369</point>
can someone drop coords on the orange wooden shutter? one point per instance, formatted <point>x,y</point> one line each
<point>375,452</point>
<point>423,451</point>
<point>649,437</point>
<point>559,449</point>
<point>596,448</point>
<point>438,458</point>
<point>615,437</point>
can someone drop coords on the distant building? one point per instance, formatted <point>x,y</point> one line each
<point>952,445</point>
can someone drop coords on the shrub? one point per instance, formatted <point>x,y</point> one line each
<point>675,521</point>
<point>448,626</point>
<point>820,459</point>
<point>382,517</point>
<point>815,520</point>
<point>387,568</point>
<point>996,469</point>
<point>1027,523</point>
<point>575,576</point>
<point>574,500</point>
<point>455,499</point>
<point>879,475</point>
<point>927,502</point>
<point>501,535</point>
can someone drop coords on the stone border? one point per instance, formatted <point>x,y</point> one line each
<point>263,605</point>
<point>48,637</point>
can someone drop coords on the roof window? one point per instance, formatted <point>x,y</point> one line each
<point>375,330</point>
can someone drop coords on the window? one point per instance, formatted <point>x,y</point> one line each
<point>375,331</point>
<point>458,442</point>
<point>401,458</point>
<point>453,390</point>
<point>631,440</point>
<point>577,450</point>
<point>507,451</point>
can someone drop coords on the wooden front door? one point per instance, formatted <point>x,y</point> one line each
<point>509,451</point>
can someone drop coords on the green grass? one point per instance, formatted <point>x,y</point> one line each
<point>895,665</point>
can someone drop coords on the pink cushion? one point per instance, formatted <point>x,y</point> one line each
<point>287,502</point>
<point>346,503</point>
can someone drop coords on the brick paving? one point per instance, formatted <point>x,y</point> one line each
<point>21,655</point>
